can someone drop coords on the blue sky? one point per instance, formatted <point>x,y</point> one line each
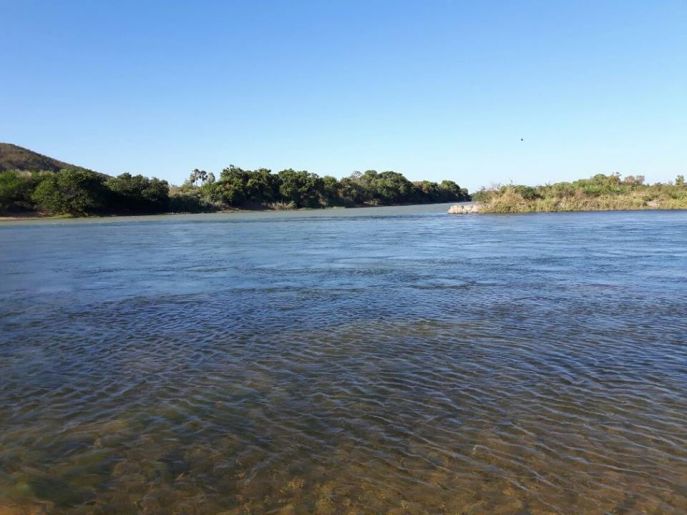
<point>435,89</point>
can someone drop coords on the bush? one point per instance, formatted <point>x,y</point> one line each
<point>601,192</point>
<point>16,189</point>
<point>72,191</point>
<point>138,194</point>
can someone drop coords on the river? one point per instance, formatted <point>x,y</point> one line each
<point>395,360</point>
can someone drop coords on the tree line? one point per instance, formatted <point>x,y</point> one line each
<point>80,192</point>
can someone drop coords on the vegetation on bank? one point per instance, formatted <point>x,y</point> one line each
<point>599,193</point>
<point>80,192</point>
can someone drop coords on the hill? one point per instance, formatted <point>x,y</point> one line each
<point>14,157</point>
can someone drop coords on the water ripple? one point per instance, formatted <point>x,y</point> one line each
<point>396,361</point>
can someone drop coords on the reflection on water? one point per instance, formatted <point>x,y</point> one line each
<point>377,360</point>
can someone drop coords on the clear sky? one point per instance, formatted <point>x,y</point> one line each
<point>434,89</point>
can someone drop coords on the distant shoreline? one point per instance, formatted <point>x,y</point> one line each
<point>481,210</point>
<point>80,192</point>
<point>38,217</point>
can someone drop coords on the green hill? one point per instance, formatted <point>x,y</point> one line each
<point>13,157</point>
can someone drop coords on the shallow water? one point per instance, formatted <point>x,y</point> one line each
<point>367,360</point>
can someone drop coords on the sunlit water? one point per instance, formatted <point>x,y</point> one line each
<point>372,360</point>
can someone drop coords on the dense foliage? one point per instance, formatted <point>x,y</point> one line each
<point>81,192</point>
<point>296,189</point>
<point>74,192</point>
<point>601,192</point>
<point>16,190</point>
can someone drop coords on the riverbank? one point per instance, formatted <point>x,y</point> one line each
<point>22,217</point>
<point>80,192</point>
<point>599,193</point>
<point>237,214</point>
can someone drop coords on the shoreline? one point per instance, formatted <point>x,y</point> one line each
<point>480,209</point>
<point>461,208</point>
<point>38,217</point>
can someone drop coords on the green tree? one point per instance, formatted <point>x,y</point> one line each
<point>303,188</point>
<point>16,189</point>
<point>393,188</point>
<point>231,187</point>
<point>351,192</point>
<point>71,191</point>
<point>451,192</point>
<point>261,187</point>
<point>138,194</point>
<point>427,191</point>
<point>330,191</point>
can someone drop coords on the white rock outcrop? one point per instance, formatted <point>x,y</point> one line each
<point>463,209</point>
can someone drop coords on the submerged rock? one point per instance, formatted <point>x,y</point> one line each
<point>463,209</point>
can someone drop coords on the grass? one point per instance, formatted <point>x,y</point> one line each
<point>599,193</point>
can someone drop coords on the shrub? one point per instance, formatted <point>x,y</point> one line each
<point>71,191</point>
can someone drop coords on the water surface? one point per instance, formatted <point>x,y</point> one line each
<point>367,360</point>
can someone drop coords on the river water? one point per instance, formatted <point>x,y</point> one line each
<point>378,360</point>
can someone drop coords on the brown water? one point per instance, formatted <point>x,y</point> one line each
<point>392,360</point>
